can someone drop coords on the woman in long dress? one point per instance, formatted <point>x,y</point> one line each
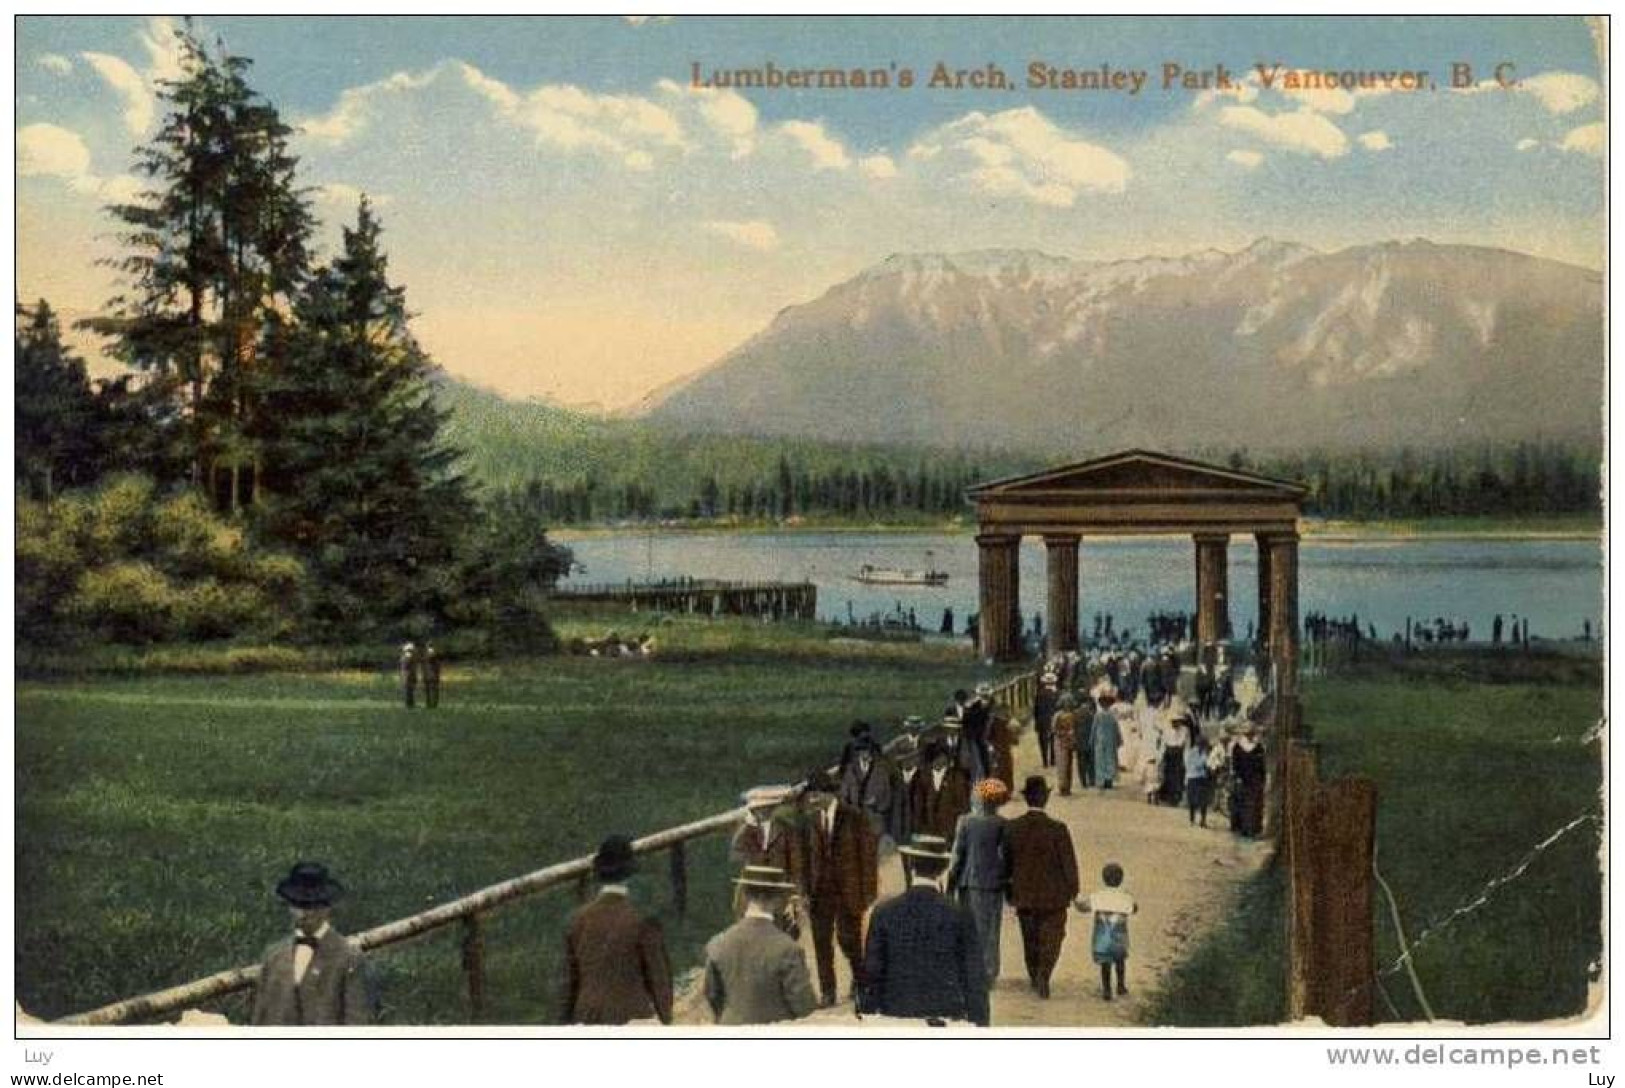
<point>1248,766</point>
<point>1107,737</point>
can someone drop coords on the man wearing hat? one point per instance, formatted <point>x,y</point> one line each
<point>980,874</point>
<point>1043,710</point>
<point>616,968</point>
<point>768,837</point>
<point>1043,882</point>
<point>841,877</point>
<point>922,959</point>
<point>754,972</point>
<point>871,782</point>
<point>409,673</point>
<point>939,793</point>
<point>1064,734</point>
<point>977,721</point>
<point>317,976</point>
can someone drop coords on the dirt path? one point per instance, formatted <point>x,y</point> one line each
<point>1183,877</point>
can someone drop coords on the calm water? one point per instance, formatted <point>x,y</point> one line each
<point>1557,584</point>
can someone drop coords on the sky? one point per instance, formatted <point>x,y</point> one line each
<point>573,218</point>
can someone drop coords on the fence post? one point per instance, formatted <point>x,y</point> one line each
<point>1344,954</point>
<point>679,879</point>
<point>583,887</point>
<point>1298,808</point>
<point>474,965</point>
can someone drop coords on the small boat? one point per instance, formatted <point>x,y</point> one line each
<point>899,576</point>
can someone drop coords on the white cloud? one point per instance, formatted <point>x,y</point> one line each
<point>1303,131</point>
<point>51,151</point>
<point>1020,152</point>
<point>130,86</point>
<point>163,48</point>
<point>1375,141</point>
<point>356,105</point>
<point>1589,139</point>
<point>55,62</point>
<point>1240,90</point>
<point>1562,92</point>
<point>751,233</point>
<point>1527,144</point>
<point>45,150</point>
<point>724,112</point>
<point>1247,160</point>
<point>826,152</point>
<point>343,197</point>
<point>879,167</point>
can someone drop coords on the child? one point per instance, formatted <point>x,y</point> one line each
<point>1111,907</point>
<point>1151,776</point>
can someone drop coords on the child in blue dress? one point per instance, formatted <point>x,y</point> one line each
<point>1111,907</point>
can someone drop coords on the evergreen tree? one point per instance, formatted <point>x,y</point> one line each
<point>360,482</point>
<point>57,412</point>
<point>215,250</point>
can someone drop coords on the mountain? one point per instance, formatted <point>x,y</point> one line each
<point>1275,346</point>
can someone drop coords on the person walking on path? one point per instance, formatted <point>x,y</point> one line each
<point>1043,712</point>
<point>872,783</point>
<point>938,794</point>
<point>755,973</point>
<point>980,874</point>
<point>1197,779</point>
<point>1248,770</point>
<point>409,673</point>
<point>1043,882</point>
<point>841,877</point>
<point>1002,734</point>
<point>767,837</point>
<point>1106,735</point>
<point>431,676</point>
<point>616,967</point>
<point>922,959</point>
<point>317,976</point>
<point>1063,732</point>
<point>1108,946</point>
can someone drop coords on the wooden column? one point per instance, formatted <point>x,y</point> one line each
<point>1283,639</point>
<point>1212,588</point>
<point>1061,559</point>
<point>999,616</point>
<point>1262,631</point>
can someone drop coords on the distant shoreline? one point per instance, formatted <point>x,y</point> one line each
<point>1333,532</point>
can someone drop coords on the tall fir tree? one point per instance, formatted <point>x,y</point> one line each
<point>359,480</point>
<point>215,250</point>
<point>58,437</point>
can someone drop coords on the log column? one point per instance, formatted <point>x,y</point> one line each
<point>999,592</point>
<point>1061,558</point>
<point>1212,589</point>
<point>1262,631</point>
<point>1283,631</point>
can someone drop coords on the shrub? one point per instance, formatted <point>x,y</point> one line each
<point>124,601</point>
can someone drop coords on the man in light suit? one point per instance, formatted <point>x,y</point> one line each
<point>317,976</point>
<point>754,972</point>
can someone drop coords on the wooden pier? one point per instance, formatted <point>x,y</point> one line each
<point>702,597</point>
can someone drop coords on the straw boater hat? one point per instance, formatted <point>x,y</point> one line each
<point>984,689</point>
<point>926,846</point>
<point>913,723</point>
<point>767,877</point>
<point>950,722</point>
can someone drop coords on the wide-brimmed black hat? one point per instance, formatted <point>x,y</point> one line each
<point>614,860</point>
<point>309,885</point>
<point>1036,786</point>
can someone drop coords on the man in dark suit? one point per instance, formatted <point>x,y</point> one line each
<point>317,976</point>
<point>938,794</point>
<point>616,968</point>
<point>768,837</point>
<point>871,783</point>
<point>431,676</point>
<point>980,874</point>
<point>1043,882</point>
<point>922,959</point>
<point>840,877</point>
<point>754,972</point>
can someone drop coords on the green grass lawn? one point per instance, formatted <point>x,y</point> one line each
<point>155,813</point>
<point>1472,773</point>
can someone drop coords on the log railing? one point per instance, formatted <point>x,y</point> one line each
<point>469,911</point>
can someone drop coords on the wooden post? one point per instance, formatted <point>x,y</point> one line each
<point>679,879</point>
<point>1300,850</point>
<point>474,965</point>
<point>998,589</point>
<point>1061,557</point>
<point>1262,631</point>
<point>1212,590</point>
<point>1344,935</point>
<point>1284,659</point>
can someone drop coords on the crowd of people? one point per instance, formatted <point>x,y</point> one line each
<point>809,857</point>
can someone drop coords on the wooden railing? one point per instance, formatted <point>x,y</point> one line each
<point>470,910</point>
<point>705,597</point>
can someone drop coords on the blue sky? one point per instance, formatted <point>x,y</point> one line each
<point>571,219</point>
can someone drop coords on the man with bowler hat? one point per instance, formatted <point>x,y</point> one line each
<point>1043,882</point>
<point>616,968</point>
<point>755,973</point>
<point>922,959</point>
<point>317,976</point>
